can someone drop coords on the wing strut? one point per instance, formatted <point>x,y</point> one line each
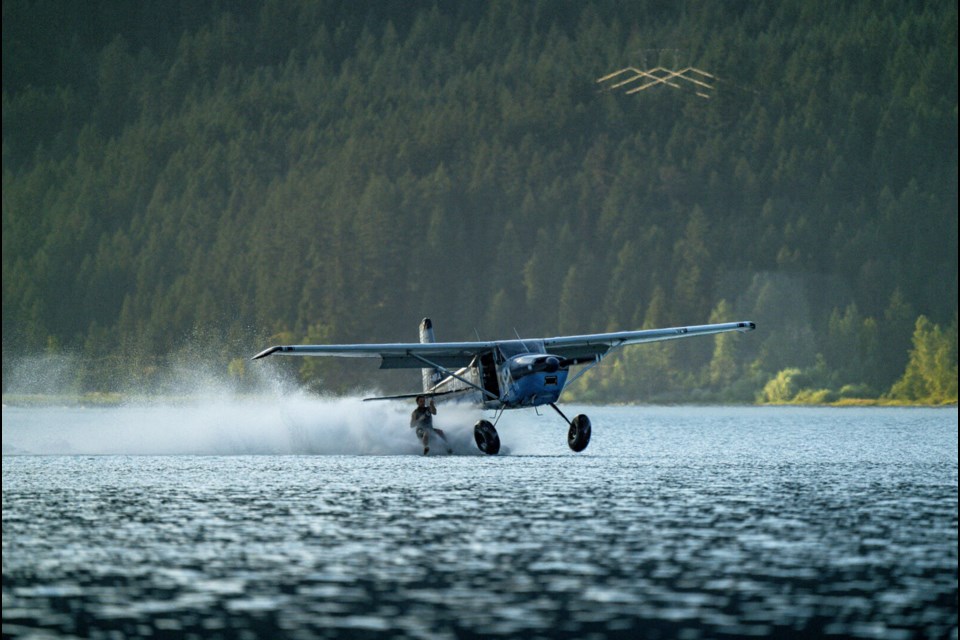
<point>597,359</point>
<point>446,371</point>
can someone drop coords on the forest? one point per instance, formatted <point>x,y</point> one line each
<point>187,181</point>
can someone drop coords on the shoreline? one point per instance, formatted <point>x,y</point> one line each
<point>115,399</point>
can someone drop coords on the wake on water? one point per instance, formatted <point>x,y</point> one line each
<point>287,424</point>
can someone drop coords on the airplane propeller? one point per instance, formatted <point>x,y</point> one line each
<point>525,365</point>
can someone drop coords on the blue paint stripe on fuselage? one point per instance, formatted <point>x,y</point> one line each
<point>535,389</point>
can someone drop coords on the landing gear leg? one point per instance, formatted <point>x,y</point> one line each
<point>578,437</point>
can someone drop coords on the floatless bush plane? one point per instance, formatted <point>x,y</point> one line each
<point>503,374</point>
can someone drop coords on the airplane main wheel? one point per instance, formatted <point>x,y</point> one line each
<point>578,437</point>
<point>487,438</point>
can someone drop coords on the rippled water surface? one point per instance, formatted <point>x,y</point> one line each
<point>320,520</point>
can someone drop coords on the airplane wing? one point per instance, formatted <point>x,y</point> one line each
<point>401,355</point>
<point>453,355</point>
<point>591,346</point>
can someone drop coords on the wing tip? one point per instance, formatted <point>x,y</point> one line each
<point>266,352</point>
<point>747,326</point>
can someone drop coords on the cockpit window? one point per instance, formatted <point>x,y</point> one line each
<point>517,347</point>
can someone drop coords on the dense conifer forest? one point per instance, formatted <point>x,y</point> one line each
<point>234,174</point>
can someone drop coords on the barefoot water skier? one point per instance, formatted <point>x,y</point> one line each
<point>422,420</point>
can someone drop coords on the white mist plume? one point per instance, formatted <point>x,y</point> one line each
<point>202,411</point>
<point>287,424</point>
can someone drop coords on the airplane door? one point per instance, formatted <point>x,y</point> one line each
<point>488,375</point>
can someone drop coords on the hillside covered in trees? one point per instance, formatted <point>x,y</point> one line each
<point>241,173</point>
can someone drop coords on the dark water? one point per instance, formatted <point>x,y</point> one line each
<point>679,522</point>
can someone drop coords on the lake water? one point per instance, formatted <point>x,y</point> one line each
<point>305,518</point>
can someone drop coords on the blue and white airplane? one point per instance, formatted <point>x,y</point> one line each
<point>503,374</point>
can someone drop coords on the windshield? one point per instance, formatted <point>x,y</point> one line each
<point>512,348</point>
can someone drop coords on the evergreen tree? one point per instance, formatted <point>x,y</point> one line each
<point>931,373</point>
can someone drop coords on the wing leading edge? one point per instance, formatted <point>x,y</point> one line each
<point>461,354</point>
<point>587,347</point>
